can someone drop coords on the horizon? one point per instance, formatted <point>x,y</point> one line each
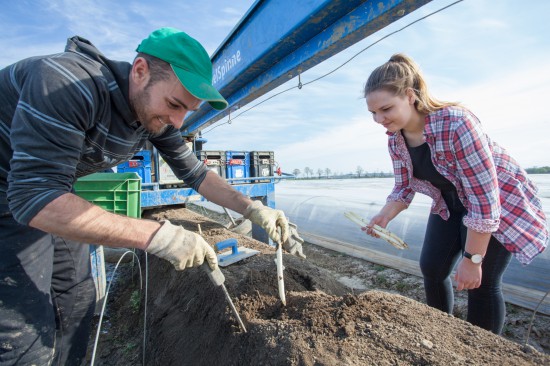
<point>388,174</point>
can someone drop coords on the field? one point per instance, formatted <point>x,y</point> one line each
<point>340,311</point>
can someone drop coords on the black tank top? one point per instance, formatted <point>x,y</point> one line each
<point>423,168</point>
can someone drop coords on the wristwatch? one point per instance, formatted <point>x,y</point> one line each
<point>475,258</point>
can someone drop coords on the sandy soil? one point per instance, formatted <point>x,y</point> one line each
<point>340,311</point>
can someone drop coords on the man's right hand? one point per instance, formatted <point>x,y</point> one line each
<point>293,244</point>
<point>269,219</point>
<point>182,248</point>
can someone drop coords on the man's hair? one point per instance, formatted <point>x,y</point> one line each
<point>160,70</point>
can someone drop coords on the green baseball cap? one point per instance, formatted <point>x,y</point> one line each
<point>188,59</point>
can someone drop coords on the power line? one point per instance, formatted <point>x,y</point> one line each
<point>300,85</point>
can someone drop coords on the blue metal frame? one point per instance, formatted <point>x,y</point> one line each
<point>158,197</point>
<point>173,196</point>
<point>279,39</point>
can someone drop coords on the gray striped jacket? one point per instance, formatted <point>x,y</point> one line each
<point>67,115</point>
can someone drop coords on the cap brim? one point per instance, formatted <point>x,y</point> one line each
<point>200,88</point>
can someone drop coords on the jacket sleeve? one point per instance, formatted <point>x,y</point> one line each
<point>47,133</point>
<point>477,174</point>
<point>180,158</point>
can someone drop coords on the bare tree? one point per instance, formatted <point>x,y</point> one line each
<point>296,172</point>
<point>319,172</point>
<point>327,172</point>
<point>308,171</point>
<point>359,171</point>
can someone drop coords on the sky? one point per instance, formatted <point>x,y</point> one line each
<point>492,56</point>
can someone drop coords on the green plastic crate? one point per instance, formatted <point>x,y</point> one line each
<point>119,193</point>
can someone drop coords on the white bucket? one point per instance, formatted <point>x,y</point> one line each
<point>98,273</point>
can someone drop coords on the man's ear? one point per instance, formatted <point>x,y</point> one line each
<point>140,71</point>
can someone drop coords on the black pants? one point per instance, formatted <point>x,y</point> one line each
<point>443,246</point>
<point>47,297</point>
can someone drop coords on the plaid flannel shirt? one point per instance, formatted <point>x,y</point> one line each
<point>496,191</point>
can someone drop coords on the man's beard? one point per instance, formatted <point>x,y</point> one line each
<point>138,105</point>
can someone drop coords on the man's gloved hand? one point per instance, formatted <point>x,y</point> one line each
<point>294,243</point>
<point>182,248</point>
<point>269,219</point>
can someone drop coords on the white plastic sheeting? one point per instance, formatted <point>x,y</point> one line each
<point>318,206</point>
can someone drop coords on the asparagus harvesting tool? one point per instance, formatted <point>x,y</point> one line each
<point>218,279</point>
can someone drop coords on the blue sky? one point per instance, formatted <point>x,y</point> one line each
<point>492,56</point>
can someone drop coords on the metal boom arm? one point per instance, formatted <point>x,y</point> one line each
<point>278,39</point>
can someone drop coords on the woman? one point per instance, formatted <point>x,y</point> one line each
<point>485,209</point>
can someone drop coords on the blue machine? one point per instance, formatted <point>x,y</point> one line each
<point>268,47</point>
<point>277,40</point>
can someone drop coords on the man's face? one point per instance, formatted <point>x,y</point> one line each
<point>163,103</point>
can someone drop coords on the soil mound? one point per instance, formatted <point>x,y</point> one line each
<point>323,323</point>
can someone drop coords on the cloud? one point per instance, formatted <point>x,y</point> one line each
<point>489,55</point>
<point>115,27</point>
<point>507,91</point>
<point>342,148</point>
<point>512,107</point>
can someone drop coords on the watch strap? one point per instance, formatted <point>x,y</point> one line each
<point>470,257</point>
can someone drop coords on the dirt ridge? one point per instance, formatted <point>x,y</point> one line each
<point>323,323</point>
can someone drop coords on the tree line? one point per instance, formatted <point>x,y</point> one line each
<point>538,170</point>
<point>326,173</point>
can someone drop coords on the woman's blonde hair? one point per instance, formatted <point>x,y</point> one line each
<point>398,75</point>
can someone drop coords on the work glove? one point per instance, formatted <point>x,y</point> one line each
<point>183,248</point>
<point>293,244</point>
<point>269,219</point>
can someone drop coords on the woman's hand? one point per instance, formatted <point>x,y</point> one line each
<point>380,220</point>
<point>468,275</point>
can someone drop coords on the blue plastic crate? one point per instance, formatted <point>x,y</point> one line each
<point>140,164</point>
<point>237,164</point>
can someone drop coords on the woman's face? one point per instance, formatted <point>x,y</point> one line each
<point>394,112</point>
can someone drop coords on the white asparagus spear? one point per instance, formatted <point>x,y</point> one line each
<point>280,268</point>
<point>390,237</point>
<point>380,231</point>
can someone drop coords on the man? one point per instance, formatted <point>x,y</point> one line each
<point>67,115</point>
